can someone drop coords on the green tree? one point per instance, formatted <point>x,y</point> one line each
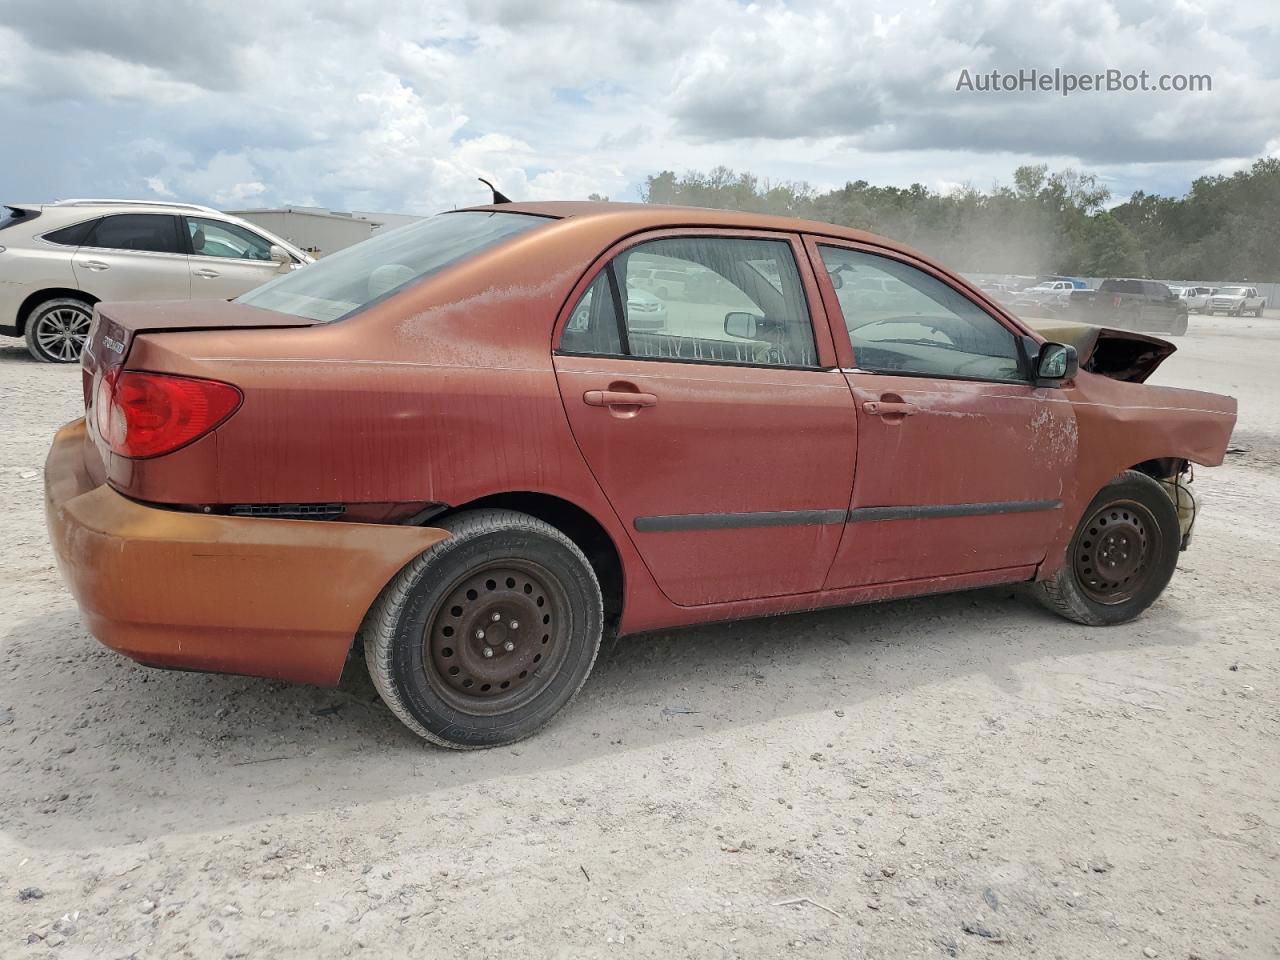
<point>1226,227</point>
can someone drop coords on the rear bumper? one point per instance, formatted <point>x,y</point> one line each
<point>263,597</point>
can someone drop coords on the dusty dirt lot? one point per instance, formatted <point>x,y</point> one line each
<point>958,776</point>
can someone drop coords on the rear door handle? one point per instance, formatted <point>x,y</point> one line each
<point>95,264</point>
<point>206,273</point>
<point>618,398</point>
<point>888,408</point>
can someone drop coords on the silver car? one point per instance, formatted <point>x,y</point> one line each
<point>57,260</point>
<point>645,311</point>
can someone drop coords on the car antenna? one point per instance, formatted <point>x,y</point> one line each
<point>498,195</point>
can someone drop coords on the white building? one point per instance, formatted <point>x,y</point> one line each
<point>320,231</point>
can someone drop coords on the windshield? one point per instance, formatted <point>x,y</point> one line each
<point>360,276</point>
<point>1232,291</point>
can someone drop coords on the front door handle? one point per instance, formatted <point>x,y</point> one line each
<point>618,398</point>
<point>889,408</point>
<point>206,273</point>
<point>95,265</point>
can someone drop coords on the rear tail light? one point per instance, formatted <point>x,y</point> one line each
<point>148,414</point>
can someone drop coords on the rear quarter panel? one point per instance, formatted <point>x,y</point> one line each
<point>445,393</point>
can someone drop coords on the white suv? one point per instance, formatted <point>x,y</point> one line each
<point>57,260</point>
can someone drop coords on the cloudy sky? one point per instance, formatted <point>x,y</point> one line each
<point>399,106</point>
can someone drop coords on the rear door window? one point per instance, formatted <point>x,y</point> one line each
<point>149,232</point>
<point>734,300</point>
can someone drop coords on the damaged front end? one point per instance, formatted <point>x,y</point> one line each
<point>1178,487</point>
<point>1118,354</point>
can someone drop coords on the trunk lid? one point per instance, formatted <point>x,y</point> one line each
<point>117,324</point>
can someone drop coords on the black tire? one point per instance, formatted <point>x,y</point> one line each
<point>424,638</point>
<point>1138,554</point>
<point>57,330</point>
<point>1179,326</point>
<point>1258,312</point>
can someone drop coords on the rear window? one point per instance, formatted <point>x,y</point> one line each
<point>11,215</point>
<point>1120,286</point>
<point>145,232</point>
<point>359,276</point>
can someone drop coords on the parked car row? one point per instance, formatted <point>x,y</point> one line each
<point>1131,304</point>
<point>57,260</point>
<point>1050,297</point>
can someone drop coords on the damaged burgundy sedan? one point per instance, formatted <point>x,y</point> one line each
<point>479,441</point>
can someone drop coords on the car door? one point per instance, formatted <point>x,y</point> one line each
<point>725,443</point>
<point>133,256</point>
<point>963,464</point>
<point>226,258</point>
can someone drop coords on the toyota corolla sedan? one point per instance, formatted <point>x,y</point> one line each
<point>457,448</point>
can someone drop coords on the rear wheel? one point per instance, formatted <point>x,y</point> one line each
<point>483,638</point>
<point>58,329</point>
<point>1179,326</point>
<point>1122,556</point>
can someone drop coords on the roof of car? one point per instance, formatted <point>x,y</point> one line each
<point>647,215</point>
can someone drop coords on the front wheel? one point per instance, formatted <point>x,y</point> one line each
<point>483,638</point>
<point>1179,326</point>
<point>1122,556</point>
<point>58,329</point>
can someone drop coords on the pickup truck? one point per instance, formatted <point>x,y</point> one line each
<point>1236,301</point>
<point>1130,305</point>
<point>1196,298</point>
<point>1049,297</point>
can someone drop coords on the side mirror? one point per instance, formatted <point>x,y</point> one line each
<point>837,279</point>
<point>1054,363</point>
<point>740,323</point>
<point>280,257</point>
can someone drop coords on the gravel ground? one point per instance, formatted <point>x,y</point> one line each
<point>957,776</point>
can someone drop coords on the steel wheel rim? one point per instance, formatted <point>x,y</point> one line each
<point>522,659</point>
<point>62,332</point>
<point>1114,551</point>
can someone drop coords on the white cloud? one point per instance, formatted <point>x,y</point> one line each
<point>393,106</point>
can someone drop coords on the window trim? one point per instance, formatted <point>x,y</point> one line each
<point>844,345</point>
<point>184,234</point>
<point>826,358</point>
<point>180,250</point>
